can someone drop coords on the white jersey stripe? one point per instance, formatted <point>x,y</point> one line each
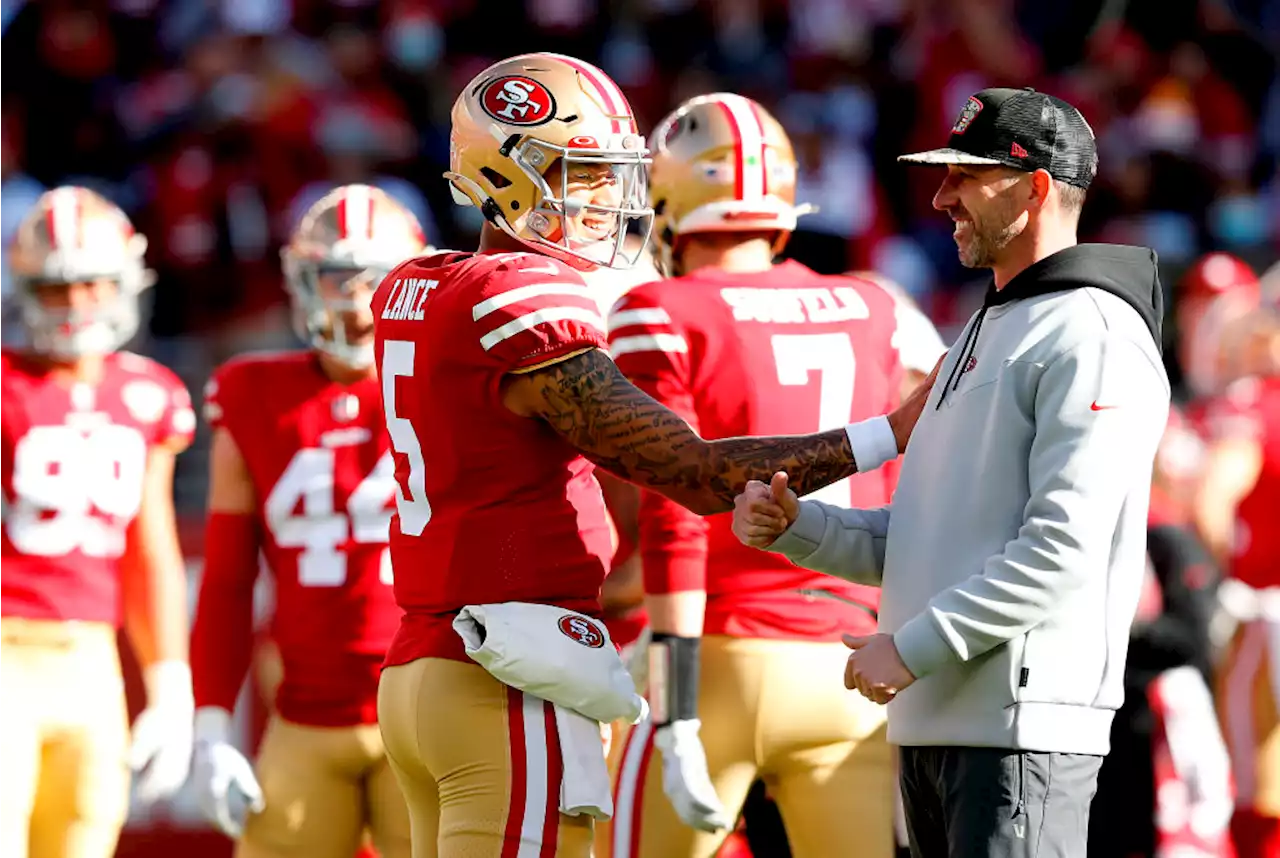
<point>538,317</point>
<point>533,290</point>
<point>669,343</point>
<point>640,316</point>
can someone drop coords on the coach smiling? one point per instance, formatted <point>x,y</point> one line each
<point>1012,556</point>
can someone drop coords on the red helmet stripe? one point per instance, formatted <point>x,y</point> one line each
<point>614,101</point>
<point>736,131</point>
<point>341,215</point>
<point>764,162</point>
<point>748,145</point>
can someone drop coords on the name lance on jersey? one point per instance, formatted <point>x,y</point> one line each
<point>798,306</point>
<point>407,297</point>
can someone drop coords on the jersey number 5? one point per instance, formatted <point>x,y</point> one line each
<point>833,358</point>
<point>414,509</point>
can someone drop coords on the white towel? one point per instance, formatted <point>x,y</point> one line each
<point>552,653</point>
<point>585,787</point>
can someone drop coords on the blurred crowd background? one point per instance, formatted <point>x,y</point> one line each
<point>214,123</point>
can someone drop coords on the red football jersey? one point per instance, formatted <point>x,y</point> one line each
<point>74,462</point>
<point>1251,409</point>
<point>318,454</point>
<point>779,352</point>
<point>492,507</point>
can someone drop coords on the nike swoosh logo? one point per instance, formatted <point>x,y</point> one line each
<point>1096,407</point>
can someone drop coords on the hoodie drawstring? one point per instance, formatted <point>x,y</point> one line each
<point>970,343</point>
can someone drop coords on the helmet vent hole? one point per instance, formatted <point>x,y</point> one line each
<point>573,118</point>
<point>659,207</point>
<point>495,178</point>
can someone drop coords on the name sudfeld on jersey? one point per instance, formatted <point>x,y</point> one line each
<point>813,305</point>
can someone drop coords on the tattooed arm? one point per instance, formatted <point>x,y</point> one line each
<point>591,404</point>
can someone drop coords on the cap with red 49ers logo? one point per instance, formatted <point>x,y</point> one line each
<point>1022,129</point>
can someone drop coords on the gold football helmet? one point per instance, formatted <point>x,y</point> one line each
<point>721,163</point>
<point>357,234</point>
<point>524,116</point>
<point>73,235</point>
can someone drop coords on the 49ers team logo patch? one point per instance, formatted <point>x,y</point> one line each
<point>581,630</point>
<point>971,109</point>
<point>145,400</point>
<point>518,100</point>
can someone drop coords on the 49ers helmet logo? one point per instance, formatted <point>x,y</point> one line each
<point>581,630</point>
<point>518,100</point>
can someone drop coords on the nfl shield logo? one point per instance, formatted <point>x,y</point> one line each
<point>972,108</point>
<point>346,408</point>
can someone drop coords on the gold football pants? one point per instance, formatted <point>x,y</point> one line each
<point>322,787</point>
<point>64,735</point>
<point>776,710</point>
<point>478,762</point>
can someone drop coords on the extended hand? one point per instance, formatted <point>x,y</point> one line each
<point>903,418</point>
<point>762,513</point>
<point>874,668</point>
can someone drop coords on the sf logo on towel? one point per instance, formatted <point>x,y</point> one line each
<point>581,630</point>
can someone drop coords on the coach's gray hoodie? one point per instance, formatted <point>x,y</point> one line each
<point>1012,556</point>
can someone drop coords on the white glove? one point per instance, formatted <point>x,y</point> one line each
<point>685,779</point>
<point>226,789</point>
<point>160,754</point>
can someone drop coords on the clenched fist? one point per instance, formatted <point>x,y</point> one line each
<point>762,513</point>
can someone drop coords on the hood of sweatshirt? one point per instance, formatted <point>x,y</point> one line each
<point>1130,273</point>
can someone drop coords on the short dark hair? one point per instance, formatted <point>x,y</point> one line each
<point>1071,197</point>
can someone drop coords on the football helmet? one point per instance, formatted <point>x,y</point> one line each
<point>1215,296</point>
<point>356,230</point>
<point>521,117</point>
<point>73,235</point>
<point>721,163</point>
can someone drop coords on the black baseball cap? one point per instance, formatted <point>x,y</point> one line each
<point>1023,129</point>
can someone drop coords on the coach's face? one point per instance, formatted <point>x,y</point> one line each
<point>987,205</point>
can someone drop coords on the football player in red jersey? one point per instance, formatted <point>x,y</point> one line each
<point>500,398</point>
<point>738,345</point>
<point>301,470</point>
<point>1214,296</point>
<point>1244,428</point>
<point>90,435</point>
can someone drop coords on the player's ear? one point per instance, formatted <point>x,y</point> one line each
<point>1040,186</point>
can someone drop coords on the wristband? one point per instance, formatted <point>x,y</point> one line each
<point>673,677</point>
<point>872,443</point>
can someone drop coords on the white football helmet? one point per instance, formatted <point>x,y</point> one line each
<point>73,235</point>
<point>355,230</point>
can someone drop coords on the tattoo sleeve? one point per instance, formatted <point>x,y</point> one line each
<point>592,405</point>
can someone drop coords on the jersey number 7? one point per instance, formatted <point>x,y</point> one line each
<point>832,356</point>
